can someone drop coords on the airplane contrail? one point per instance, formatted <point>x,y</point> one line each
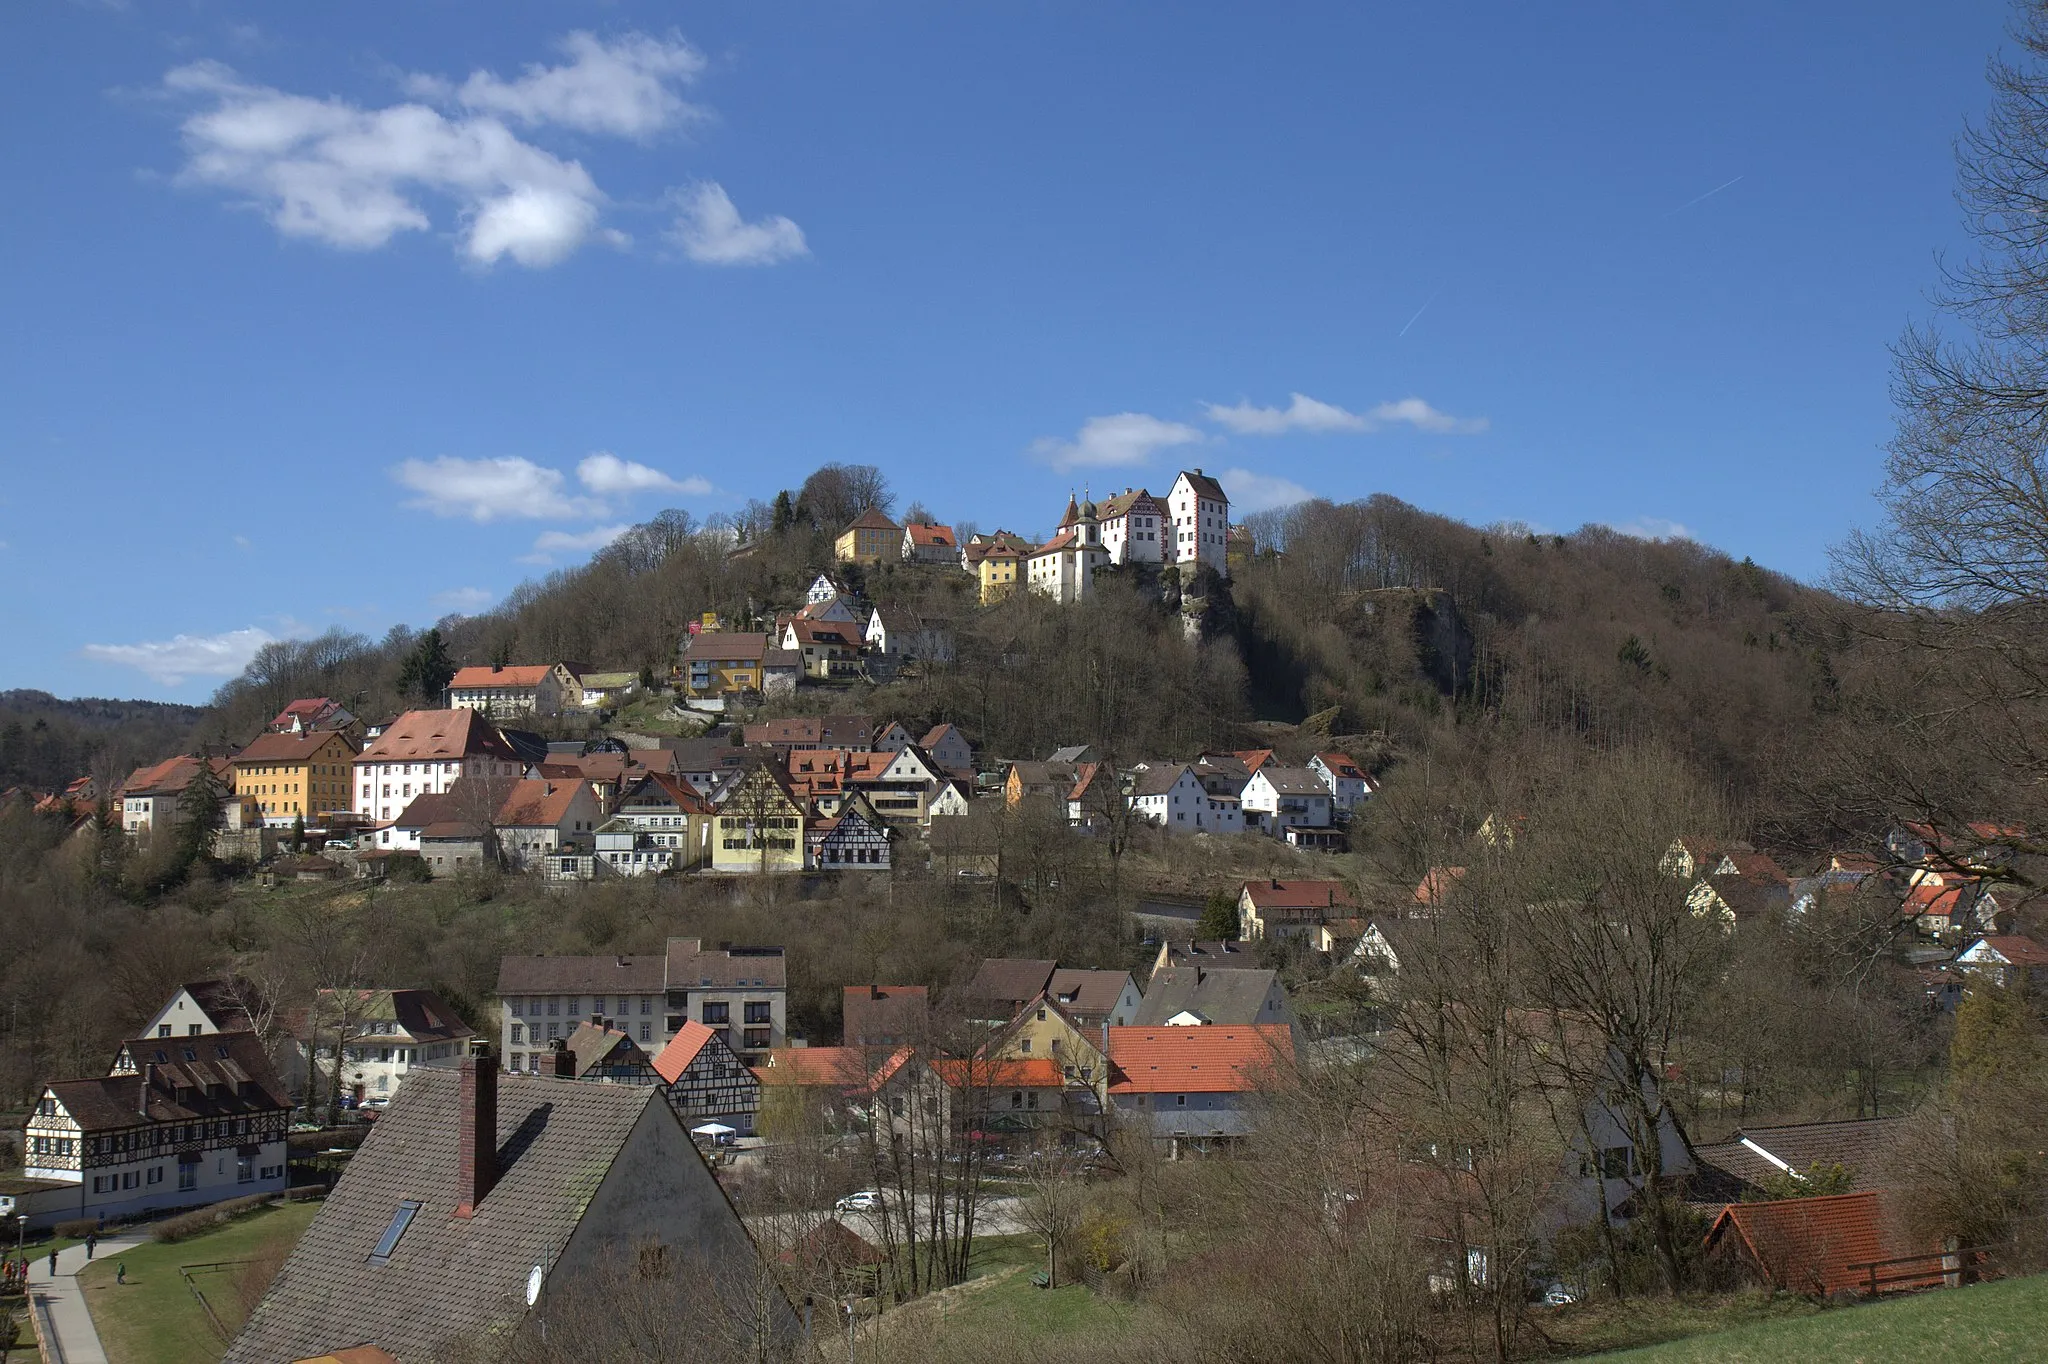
<point>1418,313</point>
<point>1708,195</point>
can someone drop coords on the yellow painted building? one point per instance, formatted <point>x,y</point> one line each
<point>1046,1030</point>
<point>870,540</point>
<point>292,776</point>
<point>759,826</point>
<point>999,573</point>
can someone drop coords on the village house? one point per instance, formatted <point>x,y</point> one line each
<point>1047,780</point>
<point>602,1052</point>
<point>383,1036</point>
<point>2006,960</point>
<point>1002,986</point>
<point>202,1007</point>
<point>872,538</point>
<point>606,690</point>
<point>540,818</point>
<point>1837,1243</point>
<point>1197,952</point>
<point>427,752</point>
<point>1200,512</point>
<point>949,748</point>
<point>1755,1159</point>
<point>1277,799</point>
<point>1171,796</point>
<point>537,689</point>
<point>1350,786</point>
<point>148,800</point>
<point>313,713</point>
<point>999,569</point>
<point>1196,1089</point>
<point>461,1221</point>
<point>800,733</point>
<point>1043,1030</point>
<point>854,839</point>
<point>724,663</point>
<point>1435,889</point>
<point>1014,1104</point>
<point>927,543</point>
<point>1290,909</point>
<point>296,777</point>
<point>1200,994</point>
<point>759,827</point>
<point>741,991</point>
<point>705,1081</point>
<point>830,651</point>
<point>659,823</point>
<point>899,633</point>
<point>176,1122</point>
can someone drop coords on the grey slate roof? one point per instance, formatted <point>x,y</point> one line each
<point>693,966</point>
<point>1225,996</point>
<point>1010,981</point>
<point>1294,781</point>
<point>1867,1146</point>
<point>608,975</point>
<point>445,1278</point>
<point>1090,996</point>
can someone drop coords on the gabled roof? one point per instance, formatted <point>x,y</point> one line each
<point>926,534</point>
<point>685,1047</point>
<point>1253,758</point>
<point>825,731</point>
<point>520,675</point>
<point>1230,995</point>
<point>542,804</point>
<point>592,1045</point>
<point>880,1015</point>
<point>1204,485</point>
<point>816,1067</point>
<point>1128,501</point>
<point>291,748</point>
<point>448,1278</point>
<point>1011,980</point>
<point>178,1079</point>
<point>1273,893</point>
<point>1151,1060</point>
<point>872,519</point>
<point>1867,1147</point>
<point>169,777</point>
<point>593,975</point>
<point>1019,1072</point>
<point>1090,996</point>
<point>2015,950</point>
<point>1292,781</point>
<point>1437,884</point>
<point>690,965</point>
<point>437,734</point>
<point>1340,765</point>
<point>726,646</point>
<point>1812,1245</point>
<point>224,1002</point>
<point>1156,779</point>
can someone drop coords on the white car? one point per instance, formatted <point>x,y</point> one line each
<point>867,1200</point>
<point>1560,1295</point>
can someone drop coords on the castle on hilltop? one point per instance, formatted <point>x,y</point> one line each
<point>1191,527</point>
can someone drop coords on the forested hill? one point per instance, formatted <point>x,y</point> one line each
<point>46,742</point>
<point>1405,630</point>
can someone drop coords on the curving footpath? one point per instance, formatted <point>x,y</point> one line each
<point>58,1303</point>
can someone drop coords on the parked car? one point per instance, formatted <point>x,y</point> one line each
<point>1560,1295</point>
<point>867,1200</point>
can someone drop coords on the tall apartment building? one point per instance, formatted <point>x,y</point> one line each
<point>424,752</point>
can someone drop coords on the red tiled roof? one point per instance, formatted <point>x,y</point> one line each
<point>816,1067</point>
<point>1438,884</point>
<point>1198,1059</point>
<point>535,804</point>
<point>1021,1072</point>
<point>2016,950</point>
<point>926,533</point>
<point>520,676</point>
<point>1253,758</point>
<point>1341,765</point>
<point>1272,894</point>
<point>1812,1244</point>
<point>682,1049</point>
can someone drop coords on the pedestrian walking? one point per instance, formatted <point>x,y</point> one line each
<point>92,1239</point>
<point>121,1272</point>
<point>53,1264</point>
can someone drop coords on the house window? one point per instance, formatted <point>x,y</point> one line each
<point>758,1011</point>
<point>156,1175</point>
<point>756,1039</point>
<point>716,1013</point>
<point>646,1032</point>
<point>1180,1101</point>
<point>163,1030</point>
<point>188,1176</point>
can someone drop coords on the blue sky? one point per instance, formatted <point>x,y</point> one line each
<point>354,316</point>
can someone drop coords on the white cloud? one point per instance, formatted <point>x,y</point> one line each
<point>355,177</point>
<point>1655,528</point>
<point>1250,492</point>
<point>1304,413</point>
<point>1423,417</point>
<point>1125,438</point>
<point>490,489</point>
<point>465,599</point>
<point>553,542</point>
<point>624,87</point>
<point>709,229</point>
<point>171,661</point>
<point>606,474</point>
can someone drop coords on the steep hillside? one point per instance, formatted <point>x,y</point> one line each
<point>46,742</point>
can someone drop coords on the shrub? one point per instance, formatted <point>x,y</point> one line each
<point>190,1224</point>
<point>77,1228</point>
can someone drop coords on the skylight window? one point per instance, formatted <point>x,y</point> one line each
<point>394,1229</point>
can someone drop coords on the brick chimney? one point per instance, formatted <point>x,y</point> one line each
<point>477,1143</point>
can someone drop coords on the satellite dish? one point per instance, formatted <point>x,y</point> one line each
<point>533,1279</point>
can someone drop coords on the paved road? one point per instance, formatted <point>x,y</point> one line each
<point>60,1305</point>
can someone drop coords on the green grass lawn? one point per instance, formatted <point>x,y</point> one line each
<point>998,1301</point>
<point>153,1318</point>
<point>1984,1324</point>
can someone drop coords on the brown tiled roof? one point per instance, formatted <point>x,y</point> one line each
<point>2017,950</point>
<point>1011,980</point>
<point>595,975</point>
<point>825,731</point>
<point>873,519</point>
<point>726,646</point>
<point>1276,894</point>
<point>1156,779</point>
<point>1867,1147</point>
<point>1813,1245</point>
<point>1091,996</point>
<point>178,1090</point>
<point>168,777</point>
<point>1293,781</point>
<point>538,804</point>
<point>447,1278</point>
<point>1129,501</point>
<point>1341,765</point>
<point>881,1015</point>
<point>592,1045</point>
<point>690,965</point>
<point>437,734</point>
<point>290,748</point>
